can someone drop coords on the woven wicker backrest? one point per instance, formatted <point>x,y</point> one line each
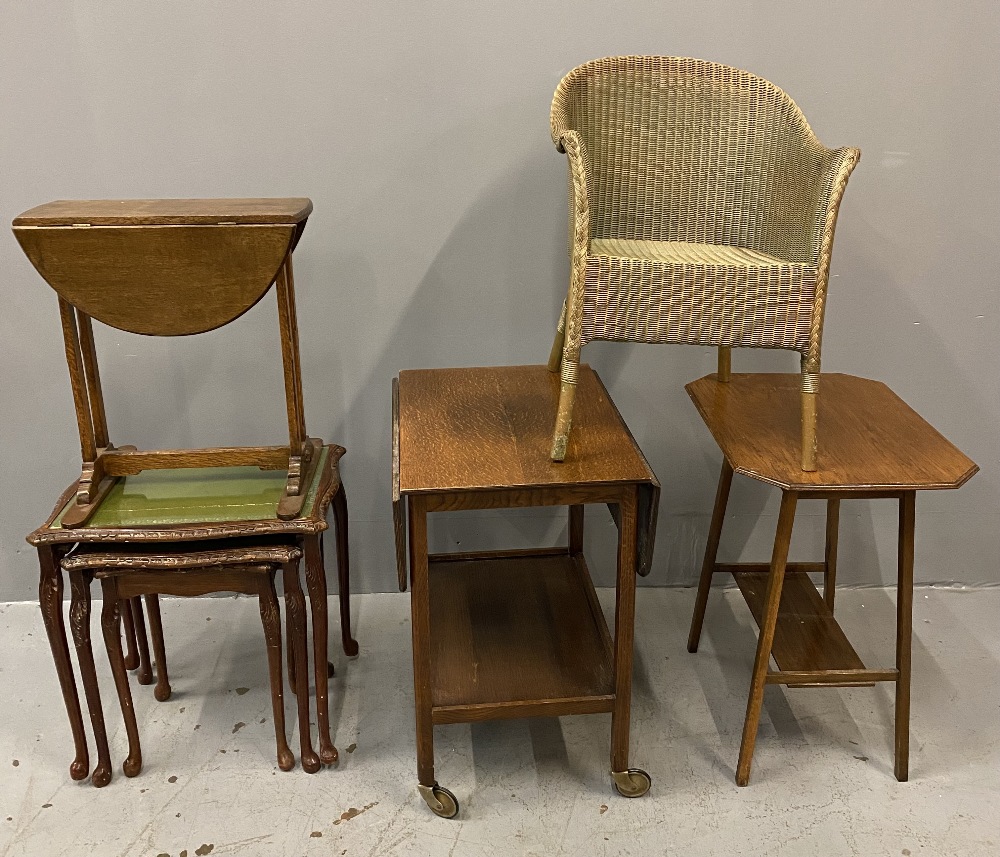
<point>687,150</point>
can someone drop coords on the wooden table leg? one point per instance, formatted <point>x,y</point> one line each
<point>830,554</point>
<point>630,782</point>
<point>295,606</point>
<point>131,647</point>
<point>145,672</point>
<point>270,618</point>
<point>111,625</point>
<point>576,529</point>
<point>420,610</point>
<point>162,689</point>
<point>316,584</point>
<point>711,552</point>
<point>50,596</point>
<point>904,628</point>
<point>776,577</point>
<point>79,620</point>
<point>343,571</point>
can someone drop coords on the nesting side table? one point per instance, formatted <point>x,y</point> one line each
<point>874,447</point>
<point>516,633</point>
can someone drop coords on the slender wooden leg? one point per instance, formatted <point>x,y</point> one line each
<point>131,646</point>
<point>145,673</point>
<point>776,577</point>
<point>711,552</point>
<point>830,558</point>
<point>725,364</point>
<point>316,583</point>
<point>624,632</point>
<point>111,625</point>
<point>555,355</point>
<point>270,618</point>
<point>295,607</point>
<point>162,689</point>
<point>344,571</point>
<point>50,596</point>
<point>904,629</point>
<point>420,610</point>
<point>576,530</point>
<point>79,620</point>
<point>630,782</point>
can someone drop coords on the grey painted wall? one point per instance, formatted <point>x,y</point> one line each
<point>420,132</point>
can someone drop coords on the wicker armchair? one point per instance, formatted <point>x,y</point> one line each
<point>702,211</point>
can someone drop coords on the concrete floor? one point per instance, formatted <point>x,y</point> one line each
<point>822,779</point>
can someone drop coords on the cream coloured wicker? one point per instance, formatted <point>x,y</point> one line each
<point>702,211</point>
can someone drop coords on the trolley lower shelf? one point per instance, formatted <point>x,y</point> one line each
<point>517,635</point>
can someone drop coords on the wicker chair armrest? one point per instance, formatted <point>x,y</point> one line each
<point>838,164</point>
<point>579,198</point>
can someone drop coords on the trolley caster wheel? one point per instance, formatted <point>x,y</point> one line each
<point>441,801</point>
<point>331,671</point>
<point>634,782</point>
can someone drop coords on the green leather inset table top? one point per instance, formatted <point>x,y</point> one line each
<point>195,495</point>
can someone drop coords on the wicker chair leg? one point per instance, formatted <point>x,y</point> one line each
<point>555,355</point>
<point>725,363</point>
<point>808,430</point>
<point>564,420</point>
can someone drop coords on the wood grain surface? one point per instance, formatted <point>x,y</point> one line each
<point>806,634</point>
<point>483,428</point>
<point>165,212</point>
<point>518,632</point>
<point>872,439</point>
<point>159,280</point>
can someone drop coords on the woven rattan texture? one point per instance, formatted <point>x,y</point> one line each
<point>676,159</point>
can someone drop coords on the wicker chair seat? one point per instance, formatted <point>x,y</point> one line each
<point>695,294</point>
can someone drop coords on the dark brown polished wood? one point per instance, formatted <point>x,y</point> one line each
<point>306,533</point>
<point>874,446</point>
<point>517,633</point>
<point>170,267</point>
<point>872,440</point>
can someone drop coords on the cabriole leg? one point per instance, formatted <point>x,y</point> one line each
<point>295,608</point>
<point>111,625</point>
<point>316,583</point>
<point>50,596</point>
<point>79,620</point>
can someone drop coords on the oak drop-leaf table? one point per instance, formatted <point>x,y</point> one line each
<point>516,633</point>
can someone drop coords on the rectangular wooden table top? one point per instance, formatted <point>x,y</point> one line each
<point>488,428</point>
<point>165,212</point>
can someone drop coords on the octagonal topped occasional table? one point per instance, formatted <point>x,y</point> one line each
<point>874,446</point>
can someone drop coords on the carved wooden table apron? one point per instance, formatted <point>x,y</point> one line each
<point>874,447</point>
<point>516,633</point>
<point>183,525</point>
